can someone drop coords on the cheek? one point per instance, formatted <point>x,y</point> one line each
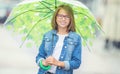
<point>68,22</point>
<point>58,21</point>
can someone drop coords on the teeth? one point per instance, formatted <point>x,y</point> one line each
<point>63,23</point>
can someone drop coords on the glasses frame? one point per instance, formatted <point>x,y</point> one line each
<point>61,16</point>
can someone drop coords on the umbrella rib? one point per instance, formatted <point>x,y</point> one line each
<point>84,39</point>
<point>46,2</point>
<point>32,29</point>
<point>21,14</point>
<point>98,26</point>
<point>84,14</point>
<point>91,19</point>
<point>18,15</point>
<point>47,13</point>
<point>46,6</point>
<point>40,11</point>
<point>55,4</point>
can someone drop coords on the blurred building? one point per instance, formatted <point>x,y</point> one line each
<point>107,14</point>
<point>5,8</point>
<point>111,23</point>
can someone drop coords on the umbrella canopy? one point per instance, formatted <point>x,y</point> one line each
<point>33,19</point>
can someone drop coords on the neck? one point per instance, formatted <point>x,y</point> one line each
<point>62,31</point>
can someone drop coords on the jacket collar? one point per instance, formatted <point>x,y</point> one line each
<point>69,34</point>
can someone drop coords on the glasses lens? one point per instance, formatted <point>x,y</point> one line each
<point>63,16</point>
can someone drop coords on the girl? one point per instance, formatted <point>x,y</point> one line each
<point>60,50</point>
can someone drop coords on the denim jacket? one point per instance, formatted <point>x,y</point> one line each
<point>70,54</point>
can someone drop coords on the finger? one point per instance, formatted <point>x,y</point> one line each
<point>49,56</point>
<point>47,60</point>
<point>50,61</point>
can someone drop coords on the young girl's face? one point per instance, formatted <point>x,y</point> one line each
<point>63,20</point>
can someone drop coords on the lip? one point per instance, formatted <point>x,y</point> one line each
<point>63,23</point>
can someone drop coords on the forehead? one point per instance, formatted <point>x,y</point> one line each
<point>62,11</point>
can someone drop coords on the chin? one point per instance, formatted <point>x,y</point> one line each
<point>63,26</point>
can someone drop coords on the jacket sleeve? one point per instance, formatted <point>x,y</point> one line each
<point>75,61</point>
<point>41,53</point>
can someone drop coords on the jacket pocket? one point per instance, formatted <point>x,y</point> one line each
<point>71,45</point>
<point>70,48</point>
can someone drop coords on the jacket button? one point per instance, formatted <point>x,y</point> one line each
<point>65,46</point>
<point>59,67</point>
<point>47,39</point>
<point>61,56</point>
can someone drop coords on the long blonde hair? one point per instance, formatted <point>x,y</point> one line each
<point>68,9</point>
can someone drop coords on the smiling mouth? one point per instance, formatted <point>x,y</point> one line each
<point>63,23</point>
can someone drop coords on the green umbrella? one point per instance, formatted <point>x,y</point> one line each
<point>33,19</point>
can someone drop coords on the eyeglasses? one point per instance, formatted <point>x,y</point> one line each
<point>60,16</point>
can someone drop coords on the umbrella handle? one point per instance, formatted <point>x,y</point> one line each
<point>44,67</point>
